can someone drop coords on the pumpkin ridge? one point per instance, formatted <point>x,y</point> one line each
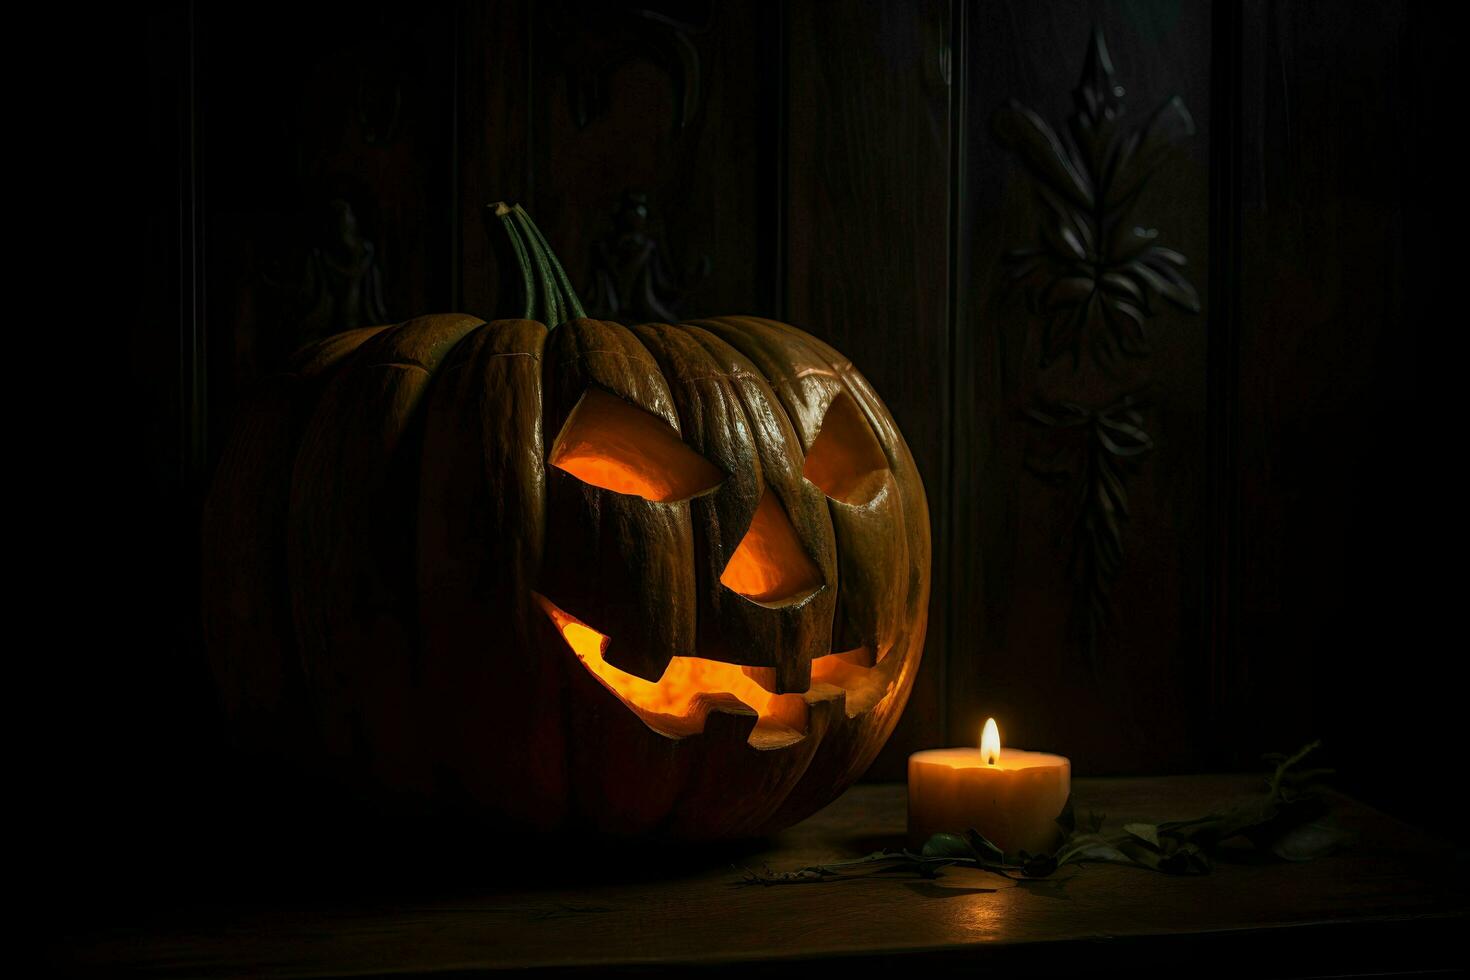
<point>631,556</point>
<point>402,366</point>
<point>711,375</point>
<point>245,592</point>
<point>426,341</point>
<point>732,418</point>
<point>534,357</point>
<point>328,353</point>
<point>352,587</point>
<point>753,337</point>
<point>782,351</point>
<point>900,461</point>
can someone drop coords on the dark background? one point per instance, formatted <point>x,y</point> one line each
<point>1284,568</point>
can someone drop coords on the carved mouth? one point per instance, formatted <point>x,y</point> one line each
<point>678,703</point>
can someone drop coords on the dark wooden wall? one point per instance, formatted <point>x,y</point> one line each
<point>1175,494</point>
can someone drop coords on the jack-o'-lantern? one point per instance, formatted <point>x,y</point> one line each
<point>665,579</point>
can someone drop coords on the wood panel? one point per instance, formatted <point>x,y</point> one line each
<point>1340,629</point>
<point>491,159</point>
<point>263,127</point>
<point>1075,580</point>
<point>867,232</point>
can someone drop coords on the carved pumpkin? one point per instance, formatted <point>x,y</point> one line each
<point>663,579</point>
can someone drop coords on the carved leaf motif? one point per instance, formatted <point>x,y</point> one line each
<point>1095,274</point>
<point>1092,280</point>
<point>1042,151</point>
<point>1114,438</point>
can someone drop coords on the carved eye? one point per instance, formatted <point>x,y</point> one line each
<point>845,459</point>
<point>619,447</point>
<point>770,565</point>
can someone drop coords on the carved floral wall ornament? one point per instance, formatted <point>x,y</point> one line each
<point>597,38</point>
<point>1092,280</point>
<point>1093,275</point>
<point>632,279</point>
<point>331,281</point>
<point>1096,472</point>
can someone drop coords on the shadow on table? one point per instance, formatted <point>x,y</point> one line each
<point>205,867</point>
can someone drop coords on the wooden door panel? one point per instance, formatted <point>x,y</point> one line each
<point>1080,384</point>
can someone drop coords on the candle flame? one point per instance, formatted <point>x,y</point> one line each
<point>990,743</point>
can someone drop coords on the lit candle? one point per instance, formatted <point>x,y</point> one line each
<point>1010,796</point>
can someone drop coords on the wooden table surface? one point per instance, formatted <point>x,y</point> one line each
<point>1392,902</point>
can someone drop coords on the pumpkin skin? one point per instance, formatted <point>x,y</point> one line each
<point>393,557</point>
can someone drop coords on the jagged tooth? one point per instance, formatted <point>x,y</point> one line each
<point>786,679</point>
<point>825,697</point>
<point>725,716</point>
<point>794,678</point>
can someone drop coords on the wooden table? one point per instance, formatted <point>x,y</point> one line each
<point>1394,902</point>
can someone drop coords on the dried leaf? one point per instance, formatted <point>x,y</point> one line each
<point>1185,859</point>
<point>1310,841</point>
<point>1039,865</point>
<point>983,848</point>
<point>1304,776</point>
<point>1092,850</point>
<point>1146,832</point>
<point>946,845</point>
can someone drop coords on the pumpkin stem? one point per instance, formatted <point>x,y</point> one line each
<point>542,291</point>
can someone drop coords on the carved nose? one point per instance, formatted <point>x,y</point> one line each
<point>769,565</point>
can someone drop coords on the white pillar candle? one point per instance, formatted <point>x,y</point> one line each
<point>1012,797</point>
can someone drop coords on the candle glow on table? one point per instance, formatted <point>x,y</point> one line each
<point>1012,797</point>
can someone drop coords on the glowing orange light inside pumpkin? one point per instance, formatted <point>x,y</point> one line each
<point>683,680</point>
<point>845,459</point>
<point>611,444</point>
<point>770,564</point>
<point>851,669</point>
